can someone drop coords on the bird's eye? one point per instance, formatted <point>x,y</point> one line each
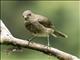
<point>29,14</point>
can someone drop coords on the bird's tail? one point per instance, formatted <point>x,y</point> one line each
<point>58,33</point>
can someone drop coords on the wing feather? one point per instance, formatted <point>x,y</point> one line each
<point>45,22</point>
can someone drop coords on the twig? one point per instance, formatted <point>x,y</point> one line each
<point>7,38</point>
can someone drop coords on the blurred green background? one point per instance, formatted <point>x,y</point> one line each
<point>64,15</point>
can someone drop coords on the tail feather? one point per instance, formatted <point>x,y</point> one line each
<point>58,33</point>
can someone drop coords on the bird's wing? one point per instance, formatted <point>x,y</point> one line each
<point>45,22</point>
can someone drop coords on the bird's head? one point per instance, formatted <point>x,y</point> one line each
<point>26,14</point>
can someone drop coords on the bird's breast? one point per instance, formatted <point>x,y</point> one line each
<point>32,28</point>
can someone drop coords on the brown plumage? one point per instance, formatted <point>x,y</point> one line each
<point>39,25</point>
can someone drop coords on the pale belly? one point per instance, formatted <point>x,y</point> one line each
<point>46,32</point>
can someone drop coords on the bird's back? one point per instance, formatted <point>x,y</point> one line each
<point>44,21</point>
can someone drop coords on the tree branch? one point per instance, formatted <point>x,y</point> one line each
<point>7,38</point>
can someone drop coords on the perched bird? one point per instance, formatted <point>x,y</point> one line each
<point>40,26</point>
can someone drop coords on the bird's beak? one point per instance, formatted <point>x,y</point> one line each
<point>25,17</point>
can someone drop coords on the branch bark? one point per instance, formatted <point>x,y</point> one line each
<point>8,38</point>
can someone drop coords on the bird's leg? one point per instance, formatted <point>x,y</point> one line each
<point>48,43</point>
<point>31,39</point>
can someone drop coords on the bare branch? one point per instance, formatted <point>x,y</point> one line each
<point>7,38</point>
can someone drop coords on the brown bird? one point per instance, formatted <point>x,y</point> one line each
<point>40,26</point>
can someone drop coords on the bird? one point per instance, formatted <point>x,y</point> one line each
<point>40,26</point>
